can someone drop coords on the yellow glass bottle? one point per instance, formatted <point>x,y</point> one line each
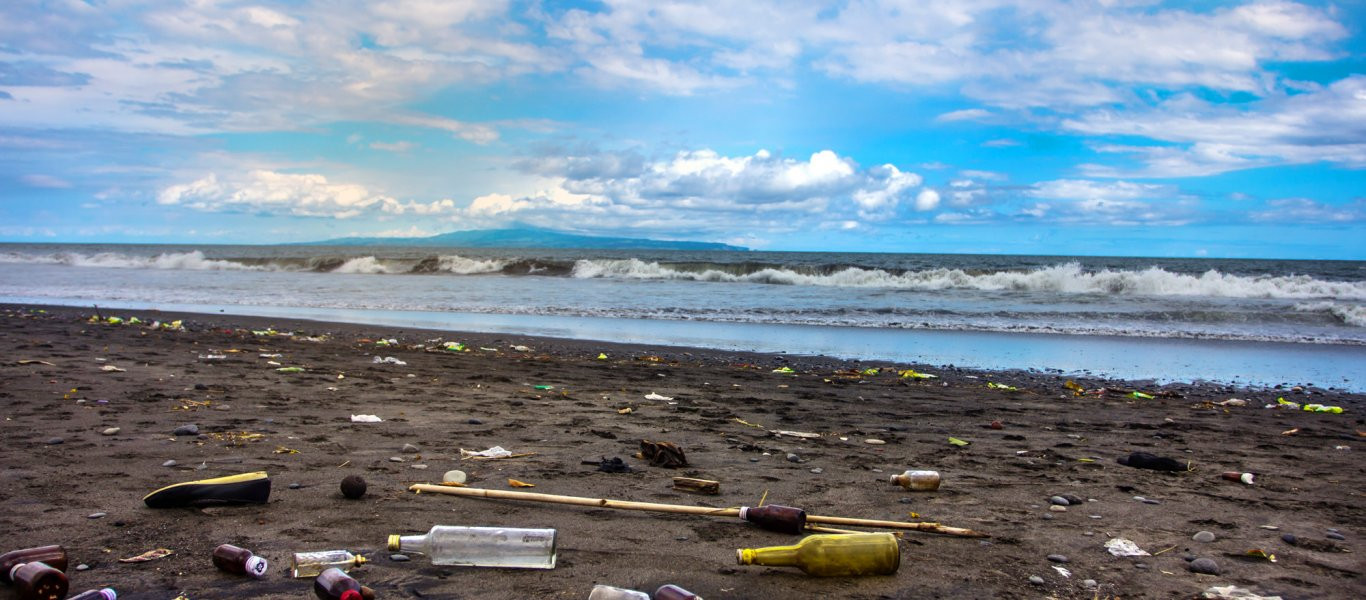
<point>831,555</point>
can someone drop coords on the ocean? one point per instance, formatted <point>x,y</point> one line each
<point>1250,322</point>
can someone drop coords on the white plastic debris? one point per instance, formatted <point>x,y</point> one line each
<point>365,419</point>
<point>1233,592</point>
<point>1062,571</point>
<point>494,452</point>
<point>389,360</point>
<point>521,348</point>
<point>112,369</point>
<point>654,396</point>
<point>1123,547</point>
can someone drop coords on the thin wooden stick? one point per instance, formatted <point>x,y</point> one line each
<point>677,508</point>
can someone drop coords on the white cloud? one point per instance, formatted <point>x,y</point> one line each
<point>1304,210</point>
<point>927,200</point>
<point>1110,202</point>
<point>45,181</point>
<point>399,147</point>
<point>307,195</point>
<point>967,114</point>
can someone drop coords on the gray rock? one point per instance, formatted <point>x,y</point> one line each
<point>754,460</point>
<point>1204,537</point>
<point>818,470</point>
<point>169,463</point>
<point>419,466</point>
<point>1333,535</point>
<point>55,441</point>
<point>82,567</point>
<point>111,431</point>
<point>454,476</point>
<point>190,429</point>
<point>1048,516</point>
<point>1060,501</point>
<point>1088,533</point>
<point>395,459</point>
<point>1143,566</point>
<point>1089,583</point>
<point>399,557</point>
<point>793,457</point>
<point>1058,558</point>
<point>295,486</point>
<point>1205,566</point>
<point>475,422</point>
<point>410,449</point>
<point>98,515</point>
<point>1036,580</point>
<point>1073,500</point>
<point>905,500</point>
<point>1289,538</point>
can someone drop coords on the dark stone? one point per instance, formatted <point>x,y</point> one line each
<point>1205,566</point>
<point>353,487</point>
<point>1144,460</point>
<point>190,429</point>
<point>54,441</point>
<point>475,422</point>
<point>1058,558</point>
<point>1333,535</point>
<point>1289,538</point>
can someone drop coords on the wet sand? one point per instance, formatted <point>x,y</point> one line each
<point>722,408</point>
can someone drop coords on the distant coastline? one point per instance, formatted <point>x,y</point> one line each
<point>524,237</point>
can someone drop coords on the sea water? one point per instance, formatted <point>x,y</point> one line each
<point>1255,322</point>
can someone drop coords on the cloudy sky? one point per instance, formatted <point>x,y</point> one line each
<point>1120,127</point>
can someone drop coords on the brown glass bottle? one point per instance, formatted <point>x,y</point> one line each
<point>673,592</point>
<point>101,594</point>
<point>335,584</point>
<point>52,556</point>
<point>782,519</point>
<point>238,561</point>
<point>38,581</point>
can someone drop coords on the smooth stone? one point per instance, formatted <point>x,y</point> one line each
<point>1088,533</point>
<point>190,429</point>
<point>475,422</point>
<point>82,567</point>
<point>395,459</point>
<point>169,463</point>
<point>905,500</point>
<point>793,457</point>
<point>111,431</point>
<point>1333,535</point>
<point>1097,517</point>
<point>1205,566</point>
<point>1333,530</point>
<point>681,538</point>
<point>399,557</point>
<point>1143,566</point>
<point>1289,538</point>
<point>1060,501</point>
<point>295,486</point>
<point>55,441</point>
<point>419,466</point>
<point>1089,583</point>
<point>1073,500</point>
<point>818,470</point>
<point>1151,501</point>
<point>1058,508</point>
<point>874,442</point>
<point>455,476</point>
<point>410,449</point>
<point>1036,580</point>
<point>1203,536</point>
<point>98,515</point>
<point>753,460</point>
<point>1048,516</point>
<point>1058,558</point>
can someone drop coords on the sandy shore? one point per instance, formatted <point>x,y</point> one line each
<point>558,400</point>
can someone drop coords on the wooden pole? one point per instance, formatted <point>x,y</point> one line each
<point>677,508</point>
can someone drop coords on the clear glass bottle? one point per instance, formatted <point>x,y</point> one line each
<point>918,481</point>
<point>238,561</point>
<point>104,594</point>
<point>782,519</point>
<point>482,546</point>
<point>673,592</point>
<point>52,556</point>
<point>312,564</point>
<point>607,592</point>
<point>335,584</point>
<point>831,555</point>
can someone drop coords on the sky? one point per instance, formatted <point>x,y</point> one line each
<point>1108,127</point>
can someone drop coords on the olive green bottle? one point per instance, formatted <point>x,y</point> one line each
<point>831,555</point>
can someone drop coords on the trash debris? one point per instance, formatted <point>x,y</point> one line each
<point>1291,431</point>
<point>112,369</point>
<point>335,584</point>
<point>1076,389</point>
<point>1337,410</point>
<point>455,347</point>
<point>832,555</point>
<point>365,419</point>
<point>662,454</point>
<point>673,592</point>
<point>1259,553</point>
<point>957,442</point>
<point>1233,402</point>
<point>625,411</point>
<point>1144,460</point>
<point>238,561</point>
<point>602,356</point>
<point>312,564</point>
<point>505,547</point>
<point>784,369</point>
<point>700,486</point>
<point>253,488</point>
<point>918,481</point>
<point>654,396</point>
<point>613,465</point>
<point>1283,403</point>
<point>148,556</point>
<point>1233,592</point>
<point>782,519</point>
<point>1237,476</point>
<point>284,450</point>
<point>912,374</point>
<point>1137,395</point>
<point>389,360</point>
<point>607,592</point>
<point>39,570</point>
<point>1123,547</point>
<point>100,594</point>
<point>34,362</point>
<point>1061,571</point>
<point>494,452</point>
<point>290,370</point>
<point>520,484</point>
<point>1000,386</point>
<point>798,434</point>
<point>521,348</point>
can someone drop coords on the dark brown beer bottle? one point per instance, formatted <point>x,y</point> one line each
<point>782,519</point>
<point>38,581</point>
<point>673,592</point>
<point>335,584</point>
<point>238,561</point>
<point>52,556</point>
<point>103,594</point>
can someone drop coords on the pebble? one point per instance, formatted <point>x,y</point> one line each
<point>793,457</point>
<point>1058,508</point>
<point>1333,535</point>
<point>753,460</point>
<point>475,422</point>
<point>1058,558</point>
<point>819,470</point>
<point>82,567</point>
<point>1036,580</point>
<point>1048,516</point>
<point>1203,536</point>
<point>295,486</point>
<point>395,459</point>
<point>1060,501</point>
<point>1088,533</point>
<point>190,429</point>
<point>874,442</point>
<point>169,463</point>
<point>410,449</point>
<point>681,538</point>
<point>1289,538</point>
<point>1073,500</point>
<point>1097,517</point>
<point>98,515</point>
<point>399,557</point>
<point>455,476</point>
<point>1089,583</point>
<point>111,431</point>
<point>1143,566</point>
<point>419,466</point>
<point>905,500</point>
<point>1205,566</point>
<point>55,441</point>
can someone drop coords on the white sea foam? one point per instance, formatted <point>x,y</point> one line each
<point>365,265</point>
<point>1064,278</point>
<point>1351,314</point>
<point>461,265</point>
<point>193,261</point>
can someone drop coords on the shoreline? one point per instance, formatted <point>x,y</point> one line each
<point>558,401</point>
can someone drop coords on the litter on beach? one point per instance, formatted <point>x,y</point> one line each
<point>1123,547</point>
<point>365,419</point>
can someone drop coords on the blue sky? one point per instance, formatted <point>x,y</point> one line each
<point>1117,127</point>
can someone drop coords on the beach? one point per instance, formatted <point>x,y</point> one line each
<point>70,382</point>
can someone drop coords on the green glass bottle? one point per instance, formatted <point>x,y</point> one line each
<point>832,555</point>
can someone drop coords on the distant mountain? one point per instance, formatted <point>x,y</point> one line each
<point>524,237</point>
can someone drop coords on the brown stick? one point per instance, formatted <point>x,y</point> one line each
<point>701,486</point>
<point>677,508</point>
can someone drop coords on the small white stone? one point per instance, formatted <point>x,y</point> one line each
<point>874,442</point>
<point>111,431</point>
<point>454,476</point>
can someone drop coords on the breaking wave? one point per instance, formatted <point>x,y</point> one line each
<point>1350,314</point>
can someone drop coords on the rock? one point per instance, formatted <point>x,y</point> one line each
<point>1088,533</point>
<point>818,470</point>
<point>475,422</point>
<point>353,487</point>
<point>1143,566</point>
<point>1204,566</point>
<point>1058,558</point>
<point>1333,535</point>
<point>82,567</point>
<point>1073,500</point>
<point>98,515</point>
<point>1204,537</point>
<point>54,441</point>
<point>410,449</point>
<point>905,500</point>
<point>419,466</point>
<point>170,463</point>
<point>1089,583</point>
<point>399,557</point>
<point>1036,580</point>
<point>111,431</point>
<point>396,459</point>
<point>1289,538</point>
<point>1060,501</point>
<point>190,429</point>
<point>1057,508</point>
<point>295,486</point>
<point>454,476</point>
<point>793,458</point>
<point>874,442</point>
<point>1048,516</point>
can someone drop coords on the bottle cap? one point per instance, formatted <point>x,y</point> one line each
<point>744,513</point>
<point>360,560</point>
<point>256,566</point>
<point>351,595</point>
<point>393,543</point>
<point>109,594</point>
<point>894,479</point>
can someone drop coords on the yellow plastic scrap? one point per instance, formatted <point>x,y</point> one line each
<point>1001,386</point>
<point>912,374</point>
<point>1140,396</point>
<point>871,372</point>
<point>1259,553</point>
<point>1337,410</point>
<point>957,442</point>
<point>602,356</point>
<point>520,484</point>
<point>284,450</point>
<point>1077,390</point>
<point>1282,402</point>
<point>784,369</point>
<point>747,423</point>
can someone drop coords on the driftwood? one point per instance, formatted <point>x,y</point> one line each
<point>682,509</point>
<point>700,486</point>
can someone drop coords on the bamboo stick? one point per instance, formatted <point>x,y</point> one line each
<point>677,508</point>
